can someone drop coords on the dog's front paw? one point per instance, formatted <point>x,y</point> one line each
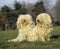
<point>9,40</point>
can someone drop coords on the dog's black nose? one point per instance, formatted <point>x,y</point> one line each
<point>24,21</point>
<point>37,20</point>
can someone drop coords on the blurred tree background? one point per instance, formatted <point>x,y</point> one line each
<point>8,16</point>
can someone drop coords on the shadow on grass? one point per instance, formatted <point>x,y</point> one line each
<point>55,36</point>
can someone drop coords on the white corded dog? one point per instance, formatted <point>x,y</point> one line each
<point>24,24</point>
<point>44,21</point>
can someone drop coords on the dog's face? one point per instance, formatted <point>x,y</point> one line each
<point>24,20</point>
<point>43,19</point>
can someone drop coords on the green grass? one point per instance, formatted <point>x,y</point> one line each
<point>6,35</point>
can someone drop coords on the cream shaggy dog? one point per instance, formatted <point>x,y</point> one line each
<point>45,22</point>
<point>42,30</point>
<point>25,24</point>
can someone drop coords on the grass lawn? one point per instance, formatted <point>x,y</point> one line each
<point>6,35</point>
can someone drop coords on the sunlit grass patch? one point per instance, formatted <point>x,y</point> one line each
<point>6,35</point>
